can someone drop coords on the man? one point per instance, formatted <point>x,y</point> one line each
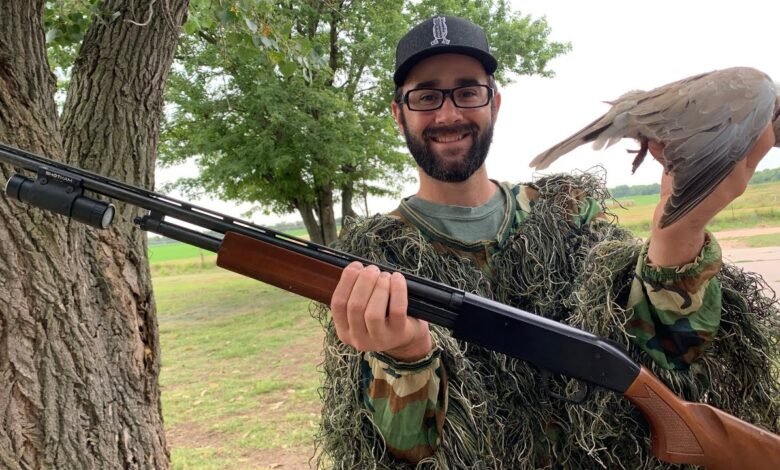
<point>419,395</point>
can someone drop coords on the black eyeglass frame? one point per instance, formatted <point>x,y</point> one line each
<point>448,92</point>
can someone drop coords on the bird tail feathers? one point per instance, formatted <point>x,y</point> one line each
<point>588,134</point>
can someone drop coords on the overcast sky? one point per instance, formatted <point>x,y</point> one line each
<point>617,46</point>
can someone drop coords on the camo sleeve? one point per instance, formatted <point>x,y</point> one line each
<point>407,402</point>
<point>675,311</point>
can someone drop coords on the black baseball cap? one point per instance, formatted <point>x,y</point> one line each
<point>440,35</point>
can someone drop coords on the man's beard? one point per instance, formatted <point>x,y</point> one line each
<point>449,172</point>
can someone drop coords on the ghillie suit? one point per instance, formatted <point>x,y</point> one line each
<point>503,413</point>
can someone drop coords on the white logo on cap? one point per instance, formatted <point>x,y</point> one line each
<point>440,31</point>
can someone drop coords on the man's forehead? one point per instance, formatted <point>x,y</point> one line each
<point>438,82</point>
<point>446,70</point>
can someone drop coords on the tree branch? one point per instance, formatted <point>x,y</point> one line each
<point>148,20</point>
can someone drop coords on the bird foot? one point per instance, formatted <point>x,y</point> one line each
<point>640,154</point>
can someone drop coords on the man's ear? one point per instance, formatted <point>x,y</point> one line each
<point>396,108</point>
<point>497,104</point>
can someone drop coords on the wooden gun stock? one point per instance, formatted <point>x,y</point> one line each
<point>682,432</point>
<point>698,434</point>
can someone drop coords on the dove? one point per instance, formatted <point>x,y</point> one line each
<point>707,123</point>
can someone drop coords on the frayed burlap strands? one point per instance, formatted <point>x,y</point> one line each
<point>504,413</point>
<point>347,437</point>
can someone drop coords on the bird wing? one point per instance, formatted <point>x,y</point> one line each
<point>722,117</point>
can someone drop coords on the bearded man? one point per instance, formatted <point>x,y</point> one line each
<point>401,392</point>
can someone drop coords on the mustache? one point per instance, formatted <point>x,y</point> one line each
<point>454,129</point>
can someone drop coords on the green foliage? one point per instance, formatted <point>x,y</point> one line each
<point>765,176</point>
<point>66,22</point>
<point>519,42</point>
<point>285,104</point>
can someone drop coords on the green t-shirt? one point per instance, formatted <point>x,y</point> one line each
<point>468,224</point>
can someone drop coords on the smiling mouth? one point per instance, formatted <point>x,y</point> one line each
<point>447,139</point>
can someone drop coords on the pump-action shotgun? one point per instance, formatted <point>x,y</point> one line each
<point>682,432</point>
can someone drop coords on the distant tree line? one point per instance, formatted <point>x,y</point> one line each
<point>763,176</point>
<point>637,190</point>
<point>288,226</point>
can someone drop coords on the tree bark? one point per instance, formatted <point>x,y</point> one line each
<point>79,345</point>
<point>348,200</point>
<point>309,221</point>
<point>326,214</point>
<point>319,218</point>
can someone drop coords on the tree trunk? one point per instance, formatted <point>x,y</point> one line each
<point>347,200</point>
<point>79,346</point>
<point>326,214</point>
<point>319,219</point>
<point>309,221</point>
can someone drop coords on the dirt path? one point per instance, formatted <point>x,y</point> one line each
<point>764,261</point>
<point>735,238</point>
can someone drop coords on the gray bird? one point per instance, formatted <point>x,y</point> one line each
<point>707,122</point>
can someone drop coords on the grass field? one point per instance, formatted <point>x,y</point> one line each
<point>239,369</point>
<point>759,241</point>
<point>173,251</point>
<point>758,206</point>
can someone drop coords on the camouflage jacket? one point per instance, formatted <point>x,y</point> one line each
<point>675,312</point>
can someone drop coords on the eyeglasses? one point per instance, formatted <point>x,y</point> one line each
<point>431,99</point>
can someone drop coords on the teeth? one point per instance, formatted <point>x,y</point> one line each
<point>445,139</point>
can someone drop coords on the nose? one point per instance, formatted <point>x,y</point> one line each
<point>448,113</point>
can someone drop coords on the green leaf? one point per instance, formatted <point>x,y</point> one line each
<point>288,68</point>
<point>251,25</point>
<point>191,26</point>
<point>226,16</point>
<point>247,54</point>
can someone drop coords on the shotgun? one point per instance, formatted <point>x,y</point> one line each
<point>682,432</point>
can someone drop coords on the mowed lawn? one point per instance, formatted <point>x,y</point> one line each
<point>239,358</point>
